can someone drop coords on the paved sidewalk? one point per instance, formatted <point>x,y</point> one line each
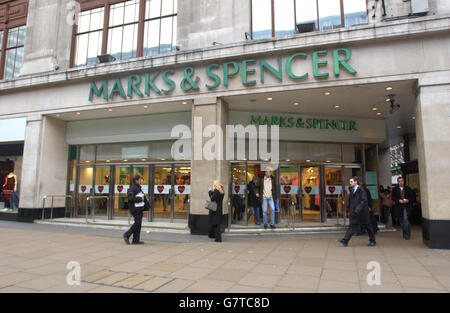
<point>33,258</point>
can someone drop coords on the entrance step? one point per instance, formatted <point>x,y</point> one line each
<point>119,224</point>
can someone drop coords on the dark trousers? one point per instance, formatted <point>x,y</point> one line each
<point>353,228</point>
<point>384,214</point>
<point>404,222</point>
<point>214,232</point>
<point>135,229</point>
<point>373,221</point>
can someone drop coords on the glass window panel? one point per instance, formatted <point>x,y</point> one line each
<point>130,42</point>
<point>131,11</point>
<point>116,14</point>
<point>1,40</point>
<point>81,49</point>
<point>166,35</point>
<point>167,7</point>
<point>261,19</point>
<point>10,61</point>
<point>329,14</point>
<point>151,38</point>
<point>94,48</point>
<point>153,9</point>
<point>355,12</point>
<point>175,27</point>
<point>97,19</point>
<point>284,17</point>
<point>19,61</point>
<point>12,37</point>
<point>115,42</point>
<point>84,21</point>
<point>21,36</point>
<point>306,11</point>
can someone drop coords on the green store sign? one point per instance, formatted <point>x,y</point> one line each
<point>220,75</point>
<point>308,123</point>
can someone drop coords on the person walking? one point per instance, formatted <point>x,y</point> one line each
<point>403,198</point>
<point>359,213</point>
<point>137,204</point>
<point>216,194</point>
<point>268,190</point>
<point>253,199</point>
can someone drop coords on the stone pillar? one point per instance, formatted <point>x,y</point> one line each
<point>433,145</point>
<point>48,38</point>
<point>44,169</point>
<point>212,111</point>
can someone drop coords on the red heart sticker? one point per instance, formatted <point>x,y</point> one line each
<point>332,189</point>
<point>160,189</point>
<point>237,188</point>
<point>83,188</point>
<point>100,188</point>
<point>181,189</point>
<point>308,189</point>
<point>287,189</point>
<point>120,188</point>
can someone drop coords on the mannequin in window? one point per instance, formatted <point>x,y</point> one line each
<point>10,191</point>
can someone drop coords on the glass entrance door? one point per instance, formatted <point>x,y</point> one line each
<point>289,194</point>
<point>311,202</point>
<point>162,191</point>
<point>238,194</point>
<point>101,191</point>
<point>334,194</point>
<point>122,180</point>
<point>182,191</point>
<point>143,171</point>
<point>85,179</point>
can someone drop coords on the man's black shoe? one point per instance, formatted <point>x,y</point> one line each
<point>272,226</point>
<point>137,243</point>
<point>345,243</point>
<point>126,239</point>
<point>372,244</point>
<point>265,226</point>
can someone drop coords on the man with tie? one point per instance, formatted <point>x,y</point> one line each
<point>403,198</point>
<point>359,213</point>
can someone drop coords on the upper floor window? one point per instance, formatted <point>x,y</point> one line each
<point>12,37</point>
<point>272,18</point>
<point>124,29</point>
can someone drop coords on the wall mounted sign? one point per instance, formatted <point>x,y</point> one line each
<point>290,122</point>
<point>219,74</point>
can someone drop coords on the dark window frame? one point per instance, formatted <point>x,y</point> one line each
<point>106,4</point>
<point>272,13</point>
<point>13,14</point>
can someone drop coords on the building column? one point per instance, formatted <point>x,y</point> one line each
<point>48,37</point>
<point>44,168</point>
<point>209,111</point>
<point>433,145</point>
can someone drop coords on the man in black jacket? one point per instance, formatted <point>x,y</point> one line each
<point>403,198</point>
<point>359,213</point>
<point>137,204</point>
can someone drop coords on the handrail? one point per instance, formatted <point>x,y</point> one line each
<point>51,207</point>
<point>93,206</point>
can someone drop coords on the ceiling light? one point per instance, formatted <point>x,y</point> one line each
<point>58,115</point>
<point>109,110</point>
<point>388,99</point>
<point>78,113</point>
<point>288,160</point>
<point>337,106</point>
<point>296,103</point>
<point>144,160</point>
<point>125,160</point>
<point>145,106</point>
<point>308,160</point>
<point>269,99</point>
<point>327,93</point>
<point>107,161</point>
<point>328,161</point>
<point>184,102</point>
<point>388,88</point>
<point>399,126</point>
<point>374,109</point>
<point>413,117</point>
<point>379,113</point>
<point>163,159</point>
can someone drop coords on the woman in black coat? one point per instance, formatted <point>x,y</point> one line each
<point>137,204</point>
<point>216,193</point>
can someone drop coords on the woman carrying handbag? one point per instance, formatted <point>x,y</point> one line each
<point>216,194</point>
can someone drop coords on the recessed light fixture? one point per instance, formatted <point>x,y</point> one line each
<point>379,113</point>
<point>337,106</point>
<point>388,99</point>
<point>269,99</point>
<point>308,160</point>
<point>163,159</point>
<point>296,103</point>
<point>107,161</point>
<point>328,161</point>
<point>327,93</point>
<point>374,109</point>
<point>413,117</point>
<point>78,113</point>
<point>184,102</point>
<point>145,106</point>
<point>388,88</point>
<point>58,115</point>
<point>144,160</point>
<point>399,126</point>
<point>288,160</point>
<point>109,110</point>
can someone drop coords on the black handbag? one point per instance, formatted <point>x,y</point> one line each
<point>211,205</point>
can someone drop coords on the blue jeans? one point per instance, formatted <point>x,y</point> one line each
<point>250,212</point>
<point>14,201</point>
<point>272,211</point>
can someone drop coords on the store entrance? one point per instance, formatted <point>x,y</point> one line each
<point>307,193</point>
<point>101,190</point>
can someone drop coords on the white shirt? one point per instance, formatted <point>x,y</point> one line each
<point>139,204</point>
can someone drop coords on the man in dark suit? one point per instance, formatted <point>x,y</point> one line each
<point>359,213</point>
<point>403,198</point>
